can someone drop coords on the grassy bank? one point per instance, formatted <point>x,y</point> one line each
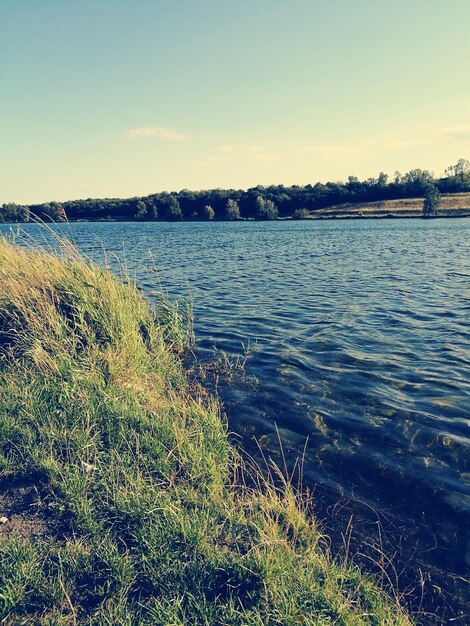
<point>121,498</point>
<point>452,205</point>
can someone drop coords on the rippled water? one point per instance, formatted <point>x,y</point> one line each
<point>362,332</point>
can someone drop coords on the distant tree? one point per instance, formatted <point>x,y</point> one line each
<point>174,211</point>
<point>416,182</point>
<point>152,208</point>
<point>266,209</point>
<point>232,210</point>
<point>11,212</point>
<point>460,170</point>
<point>301,214</point>
<point>169,208</point>
<point>140,210</point>
<point>188,202</point>
<point>53,211</point>
<point>432,201</point>
<point>256,202</point>
<point>208,212</point>
<point>382,179</point>
<point>458,177</point>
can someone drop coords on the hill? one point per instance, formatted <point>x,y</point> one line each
<point>452,205</point>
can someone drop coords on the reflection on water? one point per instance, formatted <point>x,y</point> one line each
<point>363,332</point>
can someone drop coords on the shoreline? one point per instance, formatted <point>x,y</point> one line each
<point>123,499</point>
<point>280,219</point>
<point>454,205</point>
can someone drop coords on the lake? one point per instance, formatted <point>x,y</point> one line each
<point>360,339</point>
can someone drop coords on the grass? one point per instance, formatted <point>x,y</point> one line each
<point>452,205</point>
<point>125,503</point>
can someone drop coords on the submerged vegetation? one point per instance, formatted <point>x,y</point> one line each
<point>122,500</point>
<point>261,203</point>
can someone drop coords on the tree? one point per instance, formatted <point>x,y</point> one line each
<point>416,182</point>
<point>140,210</point>
<point>432,201</point>
<point>232,210</point>
<point>152,209</point>
<point>382,179</point>
<point>301,214</point>
<point>266,209</point>
<point>169,207</point>
<point>11,212</point>
<point>208,212</point>
<point>54,211</point>
<point>458,176</point>
<point>460,170</point>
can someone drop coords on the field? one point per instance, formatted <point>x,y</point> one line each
<point>452,205</point>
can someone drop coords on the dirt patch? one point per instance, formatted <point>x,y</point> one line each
<point>23,512</point>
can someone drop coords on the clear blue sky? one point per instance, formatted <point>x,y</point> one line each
<point>130,97</point>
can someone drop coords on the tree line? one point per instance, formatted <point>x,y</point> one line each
<point>261,203</point>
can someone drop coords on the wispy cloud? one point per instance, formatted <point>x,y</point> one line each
<point>159,133</point>
<point>211,160</point>
<point>455,133</point>
<point>331,149</point>
<point>264,158</point>
<point>224,154</point>
<point>258,154</point>
<point>397,144</point>
<point>443,135</point>
<point>217,159</point>
<point>449,134</point>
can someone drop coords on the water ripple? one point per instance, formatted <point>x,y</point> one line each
<point>363,333</point>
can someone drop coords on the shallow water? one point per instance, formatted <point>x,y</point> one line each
<point>361,332</point>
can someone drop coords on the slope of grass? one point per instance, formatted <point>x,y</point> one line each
<point>122,501</point>
<point>452,205</point>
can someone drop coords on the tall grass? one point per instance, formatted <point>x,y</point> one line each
<point>146,514</point>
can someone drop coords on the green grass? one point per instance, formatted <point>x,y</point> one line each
<point>139,509</point>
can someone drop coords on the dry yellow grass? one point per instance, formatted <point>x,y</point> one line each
<point>452,205</point>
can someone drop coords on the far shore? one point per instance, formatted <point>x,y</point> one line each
<point>451,206</point>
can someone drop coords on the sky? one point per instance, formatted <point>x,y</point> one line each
<point>123,98</point>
